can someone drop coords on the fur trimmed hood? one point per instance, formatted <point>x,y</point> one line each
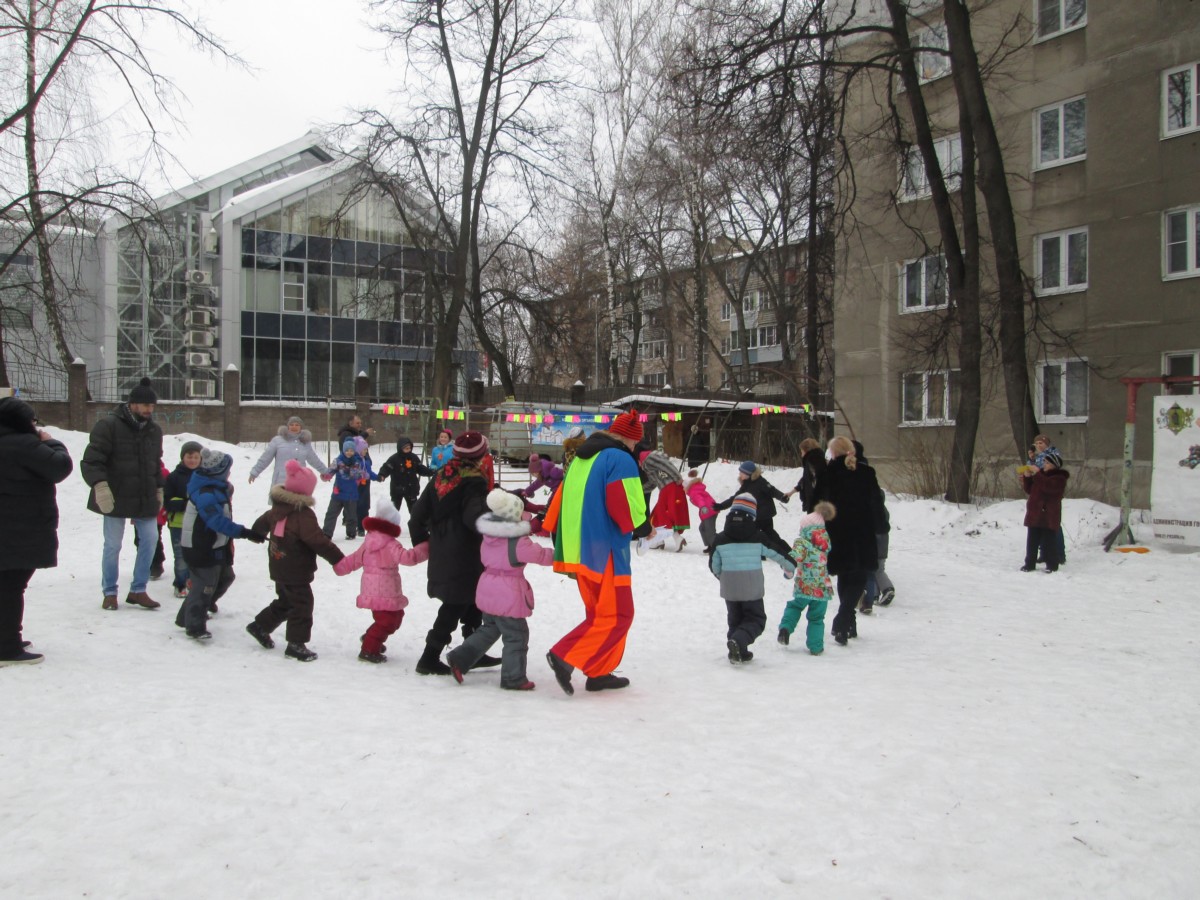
<point>281,495</point>
<point>491,525</point>
<point>383,526</point>
<point>304,436</point>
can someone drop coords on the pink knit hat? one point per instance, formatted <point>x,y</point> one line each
<point>300,478</point>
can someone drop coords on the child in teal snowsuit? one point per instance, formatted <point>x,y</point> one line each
<point>813,589</point>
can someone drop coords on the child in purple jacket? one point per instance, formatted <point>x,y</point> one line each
<point>503,596</point>
<point>545,474</point>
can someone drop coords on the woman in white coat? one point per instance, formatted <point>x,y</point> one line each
<point>293,441</point>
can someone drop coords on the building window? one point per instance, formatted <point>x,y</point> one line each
<point>1058,16</point>
<point>1062,262</point>
<point>293,292</point>
<point>928,398</point>
<point>1181,243</point>
<point>726,311</point>
<point>751,339</point>
<point>754,300</point>
<point>680,352</point>
<point>657,378</point>
<point>725,346</point>
<point>933,60</point>
<point>913,181</point>
<point>1061,133</point>
<point>1186,363</point>
<point>1181,96</point>
<point>768,336</point>
<point>652,350</point>
<point>923,284</point>
<point>1063,390</point>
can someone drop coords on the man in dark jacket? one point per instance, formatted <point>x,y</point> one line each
<point>31,463</point>
<point>123,466</point>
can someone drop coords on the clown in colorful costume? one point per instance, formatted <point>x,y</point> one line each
<point>593,517</point>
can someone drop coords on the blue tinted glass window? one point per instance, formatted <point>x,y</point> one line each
<point>343,251</point>
<point>247,261</point>
<point>389,333</point>
<point>368,332</point>
<point>267,262</point>
<point>247,323</point>
<point>295,246</point>
<point>268,243</point>
<point>343,330</point>
<point>318,328</point>
<point>344,270</point>
<point>319,248</point>
<point>248,240</point>
<point>318,268</point>
<point>366,254</point>
<point>266,324</point>
<point>293,327</point>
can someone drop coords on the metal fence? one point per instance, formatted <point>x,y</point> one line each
<point>36,382</point>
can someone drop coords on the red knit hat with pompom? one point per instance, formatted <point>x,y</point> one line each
<point>627,425</point>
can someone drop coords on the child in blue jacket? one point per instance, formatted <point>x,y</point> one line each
<point>207,535</point>
<point>736,559</point>
<point>350,471</point>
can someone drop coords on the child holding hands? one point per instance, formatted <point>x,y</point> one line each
<point>503,595</point>
<point>813,589</point>
<point>380,558</point>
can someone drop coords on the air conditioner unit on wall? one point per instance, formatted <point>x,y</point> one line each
<point>200,318</point>
<point>201,389</point>
<point>199,278</point>
<point>201,339</point>
<point>200,360</point>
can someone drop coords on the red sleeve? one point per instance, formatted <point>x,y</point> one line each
<point>616,501</point>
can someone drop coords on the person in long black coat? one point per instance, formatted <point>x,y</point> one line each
<point>812,464</point>
<point>31,464</point>
<point>853,551</point>
<point>445,516</point>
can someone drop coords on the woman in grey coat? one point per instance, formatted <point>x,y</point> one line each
<point>293,441</point>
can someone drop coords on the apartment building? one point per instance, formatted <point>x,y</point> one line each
<point>1098,110</point>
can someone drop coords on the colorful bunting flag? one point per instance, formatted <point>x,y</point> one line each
<point>396,409</point>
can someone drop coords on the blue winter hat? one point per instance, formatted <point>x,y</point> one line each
<point>347,445</point>
<point>214,463</point>
<point>747,468</point>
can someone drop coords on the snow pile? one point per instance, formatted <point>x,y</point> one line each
<point>992,734</point>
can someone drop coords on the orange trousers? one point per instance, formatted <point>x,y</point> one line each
<point>595,646</point>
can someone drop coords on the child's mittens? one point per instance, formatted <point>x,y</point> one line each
<point>328,476</point>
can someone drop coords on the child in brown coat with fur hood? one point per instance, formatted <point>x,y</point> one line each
<point>295,542</point>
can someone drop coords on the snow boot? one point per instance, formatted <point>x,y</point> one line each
<point>205,635</point>
<point>260,634</point>
<point>486,662</point>
<point>23,658</point>
<point>886,596</point>
<point>142,599</point>
<point>562,672</point>
<point>180,593</point>
<point>735,652</point>
<point>784,638</point>
<point>457,673</point>
<point>430,662</point>
<point>299,652</point>
<point>840,637</point>
<point>372,657</point>
<point>527,686</point>
<point>608,682</point>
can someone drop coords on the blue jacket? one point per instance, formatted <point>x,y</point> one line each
<point>350,472</point>
<point>441,455</point>
<point>208,525</point>
<point>737,556</point>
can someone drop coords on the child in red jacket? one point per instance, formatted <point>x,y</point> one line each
<point>1043,511</point>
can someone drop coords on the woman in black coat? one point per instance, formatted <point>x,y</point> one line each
<point>31,464</point>
<point>445,516</point>
<point>853,552</point>
<point>812,465</point>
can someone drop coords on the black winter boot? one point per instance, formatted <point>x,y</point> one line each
<point>430,662</point>
<point>299,652</point>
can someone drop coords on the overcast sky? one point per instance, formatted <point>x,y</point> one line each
<point>311,62</point>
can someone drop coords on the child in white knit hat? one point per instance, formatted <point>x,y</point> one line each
<point>503,595</point>
<point>380,558</point>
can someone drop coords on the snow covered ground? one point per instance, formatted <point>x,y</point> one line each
<point>992,734</point>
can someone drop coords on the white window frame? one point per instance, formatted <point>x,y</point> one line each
<point>1063,27</point>
<point>932,65</point>
<point>913,182</point>
<point>1063,275</point>
<point>768,336</point>
<point>751,337</point>
<point>1192,114</point>
<point>680,352</point>
<point>657,379</point>
<point>1061,108</point>
<point>726,310</point>
<point>301,295</point>
<point>725,348</point>
<point>925,305</point>
<point>1190,243</point>
<point>654,349</point>
<point>1066,367</point>
<point>1193,357</point>
<point>949,377</point>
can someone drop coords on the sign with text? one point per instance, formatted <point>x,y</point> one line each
<point>1175,482</point>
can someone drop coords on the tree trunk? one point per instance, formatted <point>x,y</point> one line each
<point>994,187</point>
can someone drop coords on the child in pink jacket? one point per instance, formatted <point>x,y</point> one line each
<point>380,558</point>
<point>503,596</point>
<point>702,500</point>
